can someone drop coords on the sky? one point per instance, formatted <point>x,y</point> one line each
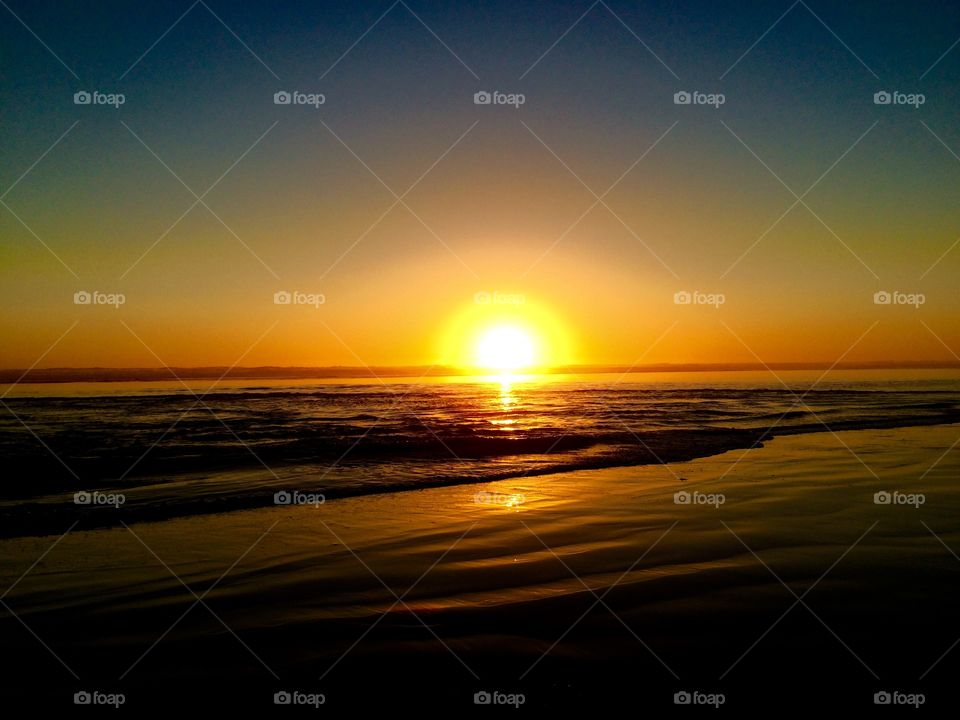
<point>589,213</point>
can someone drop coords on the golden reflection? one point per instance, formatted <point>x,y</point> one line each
<point>506,399</point>
<point>508,501</point>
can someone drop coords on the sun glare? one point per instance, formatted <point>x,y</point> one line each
<point>499,340</point>
<point>505,348</point>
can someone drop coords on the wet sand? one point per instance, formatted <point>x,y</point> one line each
<point>306,598</point>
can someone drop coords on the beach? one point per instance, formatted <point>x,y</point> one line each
<point>391,358</point>
<point>583,587</point>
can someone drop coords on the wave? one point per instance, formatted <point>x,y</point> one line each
<point>53,516</point>
<point>172,455</point>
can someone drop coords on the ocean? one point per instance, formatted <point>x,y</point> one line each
<point>105,453</point>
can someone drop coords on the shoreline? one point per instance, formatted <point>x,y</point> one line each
<point>500,583</point>
<point>40,518</point>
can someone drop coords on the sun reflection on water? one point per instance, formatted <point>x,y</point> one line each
<point>505,399</point>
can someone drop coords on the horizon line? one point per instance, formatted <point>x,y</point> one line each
<point>292,372</point>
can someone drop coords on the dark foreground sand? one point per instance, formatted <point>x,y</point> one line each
<point>502,594</point>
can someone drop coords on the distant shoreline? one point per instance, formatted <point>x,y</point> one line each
<point>157,374</point>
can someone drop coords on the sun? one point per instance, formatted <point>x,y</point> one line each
<point>506,348</point>
<point>497,339</point>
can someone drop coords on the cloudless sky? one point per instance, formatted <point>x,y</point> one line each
<point>503,199</point>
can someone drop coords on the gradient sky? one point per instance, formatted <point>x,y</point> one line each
<point>498,211</point>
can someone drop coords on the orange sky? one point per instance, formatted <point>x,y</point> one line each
<point>598,201</point>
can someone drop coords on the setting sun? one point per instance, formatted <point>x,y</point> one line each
<point>506,348</point>
<point>502,338</point>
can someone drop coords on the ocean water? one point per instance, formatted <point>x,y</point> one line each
<point>172,449</point>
